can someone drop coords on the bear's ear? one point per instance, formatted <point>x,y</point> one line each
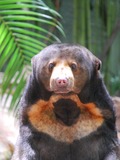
<point>98,64</point>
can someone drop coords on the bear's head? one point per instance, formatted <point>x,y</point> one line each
<point>65,68</point>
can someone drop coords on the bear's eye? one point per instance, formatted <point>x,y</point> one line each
<point>51,66</point>
<point>73,66</point>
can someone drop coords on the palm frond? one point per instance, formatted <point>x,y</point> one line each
<point>24,31</point>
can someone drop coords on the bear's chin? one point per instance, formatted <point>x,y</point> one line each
<point>61,92</point>
<point>64,94</point>
<point>65,91</point>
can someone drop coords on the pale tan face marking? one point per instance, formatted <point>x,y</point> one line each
<point>42,117</point>
<point>62,71</point>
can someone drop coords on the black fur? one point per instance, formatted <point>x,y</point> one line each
<point>67,111</point>
<point>99,145</point>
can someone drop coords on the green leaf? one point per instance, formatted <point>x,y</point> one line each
<point>21,12</point>
<point>32,26</point>
<point>21,31</point>
<point>17,92</point>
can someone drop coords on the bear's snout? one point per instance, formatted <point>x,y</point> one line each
<point>61,85</point>
<point>62,79</point>
<point>61,82</point>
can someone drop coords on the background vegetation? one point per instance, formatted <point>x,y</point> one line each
<point>27,26</point>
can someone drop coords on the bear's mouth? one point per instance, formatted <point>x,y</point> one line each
<point>65,91</point>
<point>61,91</point>
<point>66,111</point>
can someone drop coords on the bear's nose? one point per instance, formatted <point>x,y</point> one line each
<point>61,82</point>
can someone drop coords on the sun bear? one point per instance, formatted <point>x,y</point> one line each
<point>66,112</point>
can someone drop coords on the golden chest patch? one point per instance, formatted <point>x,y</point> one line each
<point>42,117</point>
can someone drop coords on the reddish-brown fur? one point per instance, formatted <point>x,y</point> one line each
<point>42,117</point>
